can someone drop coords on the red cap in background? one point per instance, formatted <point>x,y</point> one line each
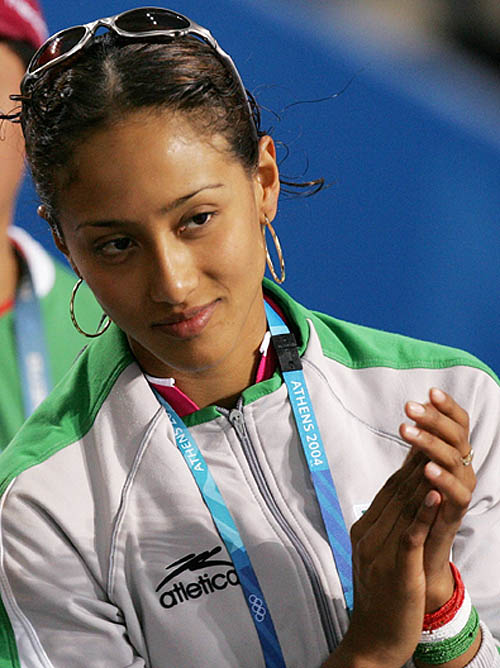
<point>22,20</point>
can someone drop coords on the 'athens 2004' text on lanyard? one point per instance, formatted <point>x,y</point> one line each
<point>286,350</point>
<point>314,450</point>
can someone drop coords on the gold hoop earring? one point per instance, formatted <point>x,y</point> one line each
<point>73,317</point>
<point>277,245</point>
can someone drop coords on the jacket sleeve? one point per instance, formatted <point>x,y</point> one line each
<point>477,544</point>
<point>55,611</point>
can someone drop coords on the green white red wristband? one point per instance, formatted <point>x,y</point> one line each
<point>449,648</point>
<point>488,655</point>
<point>446,612</point>
<point>451,630</point>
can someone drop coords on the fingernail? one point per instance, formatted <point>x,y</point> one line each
<point>410,430</point>
<point>438,395</point>
<point>432,499</point>
<point>416,409</point>
<point>433,470</point>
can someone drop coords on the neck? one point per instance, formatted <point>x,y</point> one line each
<point>8,267</point>
<point>222,385</point>
<point>223,382</point>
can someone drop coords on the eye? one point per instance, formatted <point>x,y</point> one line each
<point>197,221</point>
<point>115,247</point>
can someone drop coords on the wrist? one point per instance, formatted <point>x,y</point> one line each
<point>441,591</point>
<point>449,634</point>
<point>448,608</point>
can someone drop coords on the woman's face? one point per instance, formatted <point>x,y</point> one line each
<point>164,225</point>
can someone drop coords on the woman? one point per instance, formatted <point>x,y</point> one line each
<point>171,503</point>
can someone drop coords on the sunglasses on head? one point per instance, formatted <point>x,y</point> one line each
<point>134,23</point>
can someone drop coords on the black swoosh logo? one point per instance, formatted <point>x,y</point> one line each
<point>193,562</point>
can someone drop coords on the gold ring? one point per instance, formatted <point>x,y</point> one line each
<point>467,460</point>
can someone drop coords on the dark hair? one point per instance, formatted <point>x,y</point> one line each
<point>115,76</point>
<point>24,50</point>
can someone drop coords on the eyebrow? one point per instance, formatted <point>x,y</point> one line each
<point>165,209</point>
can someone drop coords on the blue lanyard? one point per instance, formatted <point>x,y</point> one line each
<point>314,450</point>
<point>30,344</point>
<point>229,533</point>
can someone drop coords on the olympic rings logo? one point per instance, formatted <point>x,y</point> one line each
<point>258,608</point>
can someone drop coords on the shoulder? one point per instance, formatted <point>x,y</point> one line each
<point>382,371</point>
<point>358,347</point>
<point>69,412</point>
<point>372,373</point>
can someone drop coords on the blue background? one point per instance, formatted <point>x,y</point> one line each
<point>406,237</point>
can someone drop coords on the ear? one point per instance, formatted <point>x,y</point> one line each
<point>57,236</point>
<point>267,178</point>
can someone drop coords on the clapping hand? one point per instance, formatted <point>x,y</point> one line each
<point>441,435</point>
<point>401,545</point>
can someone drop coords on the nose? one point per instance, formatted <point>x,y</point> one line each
<point>173,272</point>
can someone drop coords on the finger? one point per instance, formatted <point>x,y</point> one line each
<point>429,417</point>
<point>448,406</point>
<point>456,499</point>
<point>402,479</point>
<point>398,514</point>
<point>414,453</point>
<point>411,540</point>
<point>456,492</point>
<point>433,447</point>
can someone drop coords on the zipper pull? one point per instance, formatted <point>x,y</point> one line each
<point>235,417</point>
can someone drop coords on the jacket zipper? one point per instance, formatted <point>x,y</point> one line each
<point>237,421</point>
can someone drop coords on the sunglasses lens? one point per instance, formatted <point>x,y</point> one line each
<point>58,46</point>
<point>149,19</point>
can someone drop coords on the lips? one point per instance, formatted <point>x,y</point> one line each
<point>189,323</point>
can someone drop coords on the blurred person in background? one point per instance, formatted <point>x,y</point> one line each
<point>37,340</point>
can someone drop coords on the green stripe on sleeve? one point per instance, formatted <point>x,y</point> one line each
<point>66,415</point>
<point>9,657</point>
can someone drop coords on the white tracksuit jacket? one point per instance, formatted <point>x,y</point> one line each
<point>110,559</point>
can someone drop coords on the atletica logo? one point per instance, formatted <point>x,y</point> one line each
<point>204,584</point>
